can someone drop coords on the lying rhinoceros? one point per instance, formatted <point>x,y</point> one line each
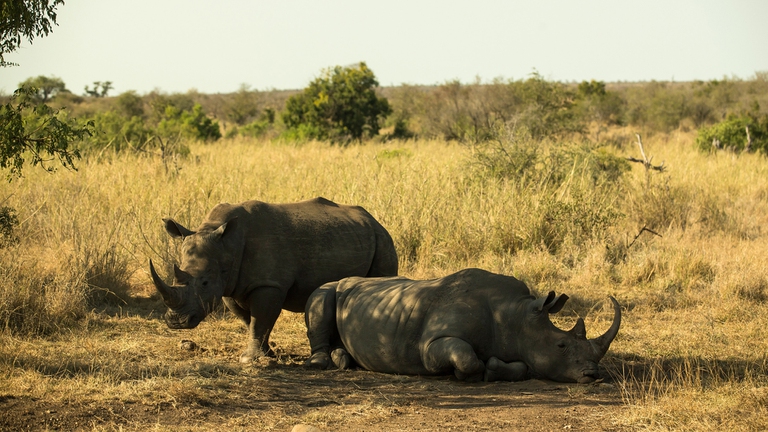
<point>475,324</point>
<point>261,258</point>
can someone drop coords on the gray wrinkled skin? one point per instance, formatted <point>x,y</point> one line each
<point>260,258</point>
<point>475,324</point>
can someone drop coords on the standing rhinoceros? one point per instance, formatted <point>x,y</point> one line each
<point>475,324</point>
<point>261,258</point>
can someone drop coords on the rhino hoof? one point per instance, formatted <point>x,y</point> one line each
<point>254,352</point>
<point>341,358</point>
<point>497,370</point>
<point>470,378</point>
<point>318,360</point>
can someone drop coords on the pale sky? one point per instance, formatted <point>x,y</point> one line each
<point>215,46</point>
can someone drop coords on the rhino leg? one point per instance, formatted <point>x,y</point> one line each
<point>235,308</point>
<point>497,370</point>
<point>448,353</point>
<point>320,317</point>
<point>265,304</point>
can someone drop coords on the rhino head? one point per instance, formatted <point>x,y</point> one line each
<point>565,356</point>
<point>201,280</point>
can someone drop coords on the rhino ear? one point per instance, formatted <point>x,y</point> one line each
<point>550,304</point>
<point>225,228</point>
<point>558,304</point>
<point>176,229</point>
<point>540,304</point>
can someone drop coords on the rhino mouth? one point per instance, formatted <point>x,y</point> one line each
<point>179,322</point>
<point>588,376</point>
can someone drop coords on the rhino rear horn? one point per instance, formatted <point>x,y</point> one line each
<point>579,330</point>
<point>600,344</point>
<point>171,295</point>
<point>181,276</point>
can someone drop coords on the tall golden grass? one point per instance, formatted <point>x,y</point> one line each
<point>693,348</point>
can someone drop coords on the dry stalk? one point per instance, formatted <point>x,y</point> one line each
<point>643,229</point>
<point>645,161</point>
<point>749,139</point>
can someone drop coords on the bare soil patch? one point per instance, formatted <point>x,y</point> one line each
<point>277,395</point>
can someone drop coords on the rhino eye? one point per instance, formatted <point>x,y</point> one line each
<point>561,344</point>
<point>205,283</point>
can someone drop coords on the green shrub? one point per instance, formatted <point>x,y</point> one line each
<point>8,223</point>
<point>517,155</point>
<point>474,112</point>
<point>256,128</point>
<point>117,131</point>
<point>188,124</point>
<point>596,104</point>
<point>130,104</point>
<point>340,105</point>
<point>243,108</point>
<point>732,134</point>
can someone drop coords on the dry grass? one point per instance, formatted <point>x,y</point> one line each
<point>81,328</point>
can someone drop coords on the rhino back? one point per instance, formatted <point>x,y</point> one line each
<point>386,324</point>
<point>300,246</point>
<point>380,321</point>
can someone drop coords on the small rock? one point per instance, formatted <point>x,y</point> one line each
<point>305,428</point>
<point>188,345</point>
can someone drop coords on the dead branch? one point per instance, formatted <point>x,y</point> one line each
<point>643,229</point>
<point>645,161</point>
<point>749,140</point>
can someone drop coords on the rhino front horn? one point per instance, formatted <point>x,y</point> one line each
<point>601,344</point>
<point>171,295</point>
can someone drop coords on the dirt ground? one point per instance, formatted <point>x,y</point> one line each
<point>279,395</point>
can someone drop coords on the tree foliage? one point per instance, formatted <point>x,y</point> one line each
<point>24,19</point>
<point>47,87</point>
<point>340,105</point>
<point>30,129</point>
<point>37,133</point>
<point>100,89</point>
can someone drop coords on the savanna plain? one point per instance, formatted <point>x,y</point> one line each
<point>84,346</point>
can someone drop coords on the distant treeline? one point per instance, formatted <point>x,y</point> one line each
<point>454,110</point>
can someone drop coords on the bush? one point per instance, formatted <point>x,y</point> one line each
<point>732,134</point>
<point>8,223</point>
<point>517,155</point>
<point>474,112</point>
<point>118,131</point>
<point>188,124</point>
<point>596,104</point>
<point>243,106</point>
<point>341,105</point>
<point>565,193</point>
<point>130,104</point>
